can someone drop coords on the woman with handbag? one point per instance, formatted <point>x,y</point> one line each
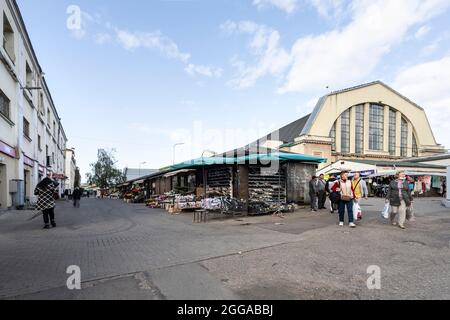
<point>400,198</point>
<point>345,188</point>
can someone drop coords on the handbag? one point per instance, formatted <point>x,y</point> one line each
<point>346,198</point>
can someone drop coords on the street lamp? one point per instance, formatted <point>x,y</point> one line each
<point>174,147</point>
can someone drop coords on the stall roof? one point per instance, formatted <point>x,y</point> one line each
<point>385,163</point>
<point>262,157</point>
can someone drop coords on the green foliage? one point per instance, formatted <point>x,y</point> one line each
<point>104,173</point>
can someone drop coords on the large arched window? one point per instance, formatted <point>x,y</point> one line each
<point>345,132</point>
<point>404,138</point>
<point>376,127</point>
<point>392,132</point>
<point>359,129</point>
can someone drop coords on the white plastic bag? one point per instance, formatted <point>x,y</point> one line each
<point>357,212</point>
<point>385,212</point>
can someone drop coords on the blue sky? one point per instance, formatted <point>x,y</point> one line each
<point>139,76</point>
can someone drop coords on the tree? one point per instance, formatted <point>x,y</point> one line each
<point>104,172</point>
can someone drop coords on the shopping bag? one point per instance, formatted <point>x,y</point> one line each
<point>385,212</point>
<point>357,213</point>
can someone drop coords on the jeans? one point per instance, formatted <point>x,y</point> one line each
<point>401,211</point>
<point>349,205</point>
<point>49,213</point>
<point>76,203</point>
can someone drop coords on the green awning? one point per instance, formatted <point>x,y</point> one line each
<point>252,158</point>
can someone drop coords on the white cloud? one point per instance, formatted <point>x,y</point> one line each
<point>207,71</point>
<point>329,8</point>
<point>103,38</point>
<point>288,6</point>
<point>346,56</point>
<point>151,40</point>
<point>422,31</point>
<point>271,58</point>
<point>428,84</point>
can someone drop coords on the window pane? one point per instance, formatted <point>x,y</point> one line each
<point>345,132</point>
<point>359,129</point>
<point>404,138</point>
<point>376,127</point>
<point>392,132</point>
<point>333,137</point>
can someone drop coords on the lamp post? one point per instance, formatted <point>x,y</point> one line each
<point>174,148</point>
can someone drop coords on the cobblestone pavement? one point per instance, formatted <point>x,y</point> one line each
<point>131,252</point>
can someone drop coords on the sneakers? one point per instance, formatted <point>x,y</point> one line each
<point>402,227</point>
<point>341,224</point>
<point>352,225</point>
<point>53,224</point>
<point>47,226</point>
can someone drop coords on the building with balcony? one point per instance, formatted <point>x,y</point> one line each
<point>32,138</point>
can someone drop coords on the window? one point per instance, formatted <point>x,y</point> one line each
<point>29,77</point>
<point>333,137</point>
<point>41,104</point>
<point>404,138</point>
<point>392,132</point>
<point>415,148</point>
<point>48,117</point>
<point>4,105</point>
<point>53,157</point>
<point>345,132</point>
<point>54,129</point>
<point>376,127</point>
<point>8,38</point>
<point>359,129</point>
<point>39,143</point>
<point>26,128</point>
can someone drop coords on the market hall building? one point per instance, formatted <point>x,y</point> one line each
<point>32,138</point>
<point>367,122</point>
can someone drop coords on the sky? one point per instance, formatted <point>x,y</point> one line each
<point>140,76</point>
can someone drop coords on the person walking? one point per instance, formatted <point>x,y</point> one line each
<point>333,196</point>
<point>321,192</point>
<point>344,186</point>
<point>360,190</point>
<point>77,197</point>
<point>400,198</point>
<point>45,190</point>
<point>313,191</point>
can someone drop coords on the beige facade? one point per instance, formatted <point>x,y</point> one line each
<point>371,121</point>
<point>32,139</point>
<point>70,169</point>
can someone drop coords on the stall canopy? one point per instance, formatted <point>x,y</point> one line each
<point>252,158</point>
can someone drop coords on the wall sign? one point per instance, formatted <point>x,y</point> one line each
<point>28,161</point>
<point>7,149</point>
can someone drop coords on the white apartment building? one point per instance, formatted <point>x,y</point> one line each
<point>70,169</point>
<point>32,139</point>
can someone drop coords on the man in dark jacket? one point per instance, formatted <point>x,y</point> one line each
<point>400,198</point>
<point>313,191</point>
<point>77,193</point>
<point>321,191</point>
